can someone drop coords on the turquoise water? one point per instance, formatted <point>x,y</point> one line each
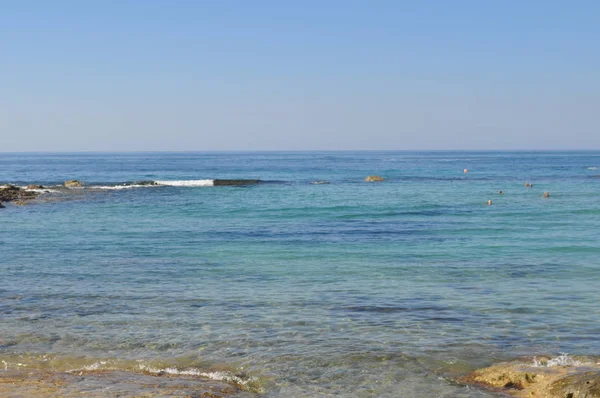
<point>347,288</point>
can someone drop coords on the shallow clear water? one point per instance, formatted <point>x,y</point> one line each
<point>348,288</point>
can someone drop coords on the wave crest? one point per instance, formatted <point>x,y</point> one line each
<point>185,183</point>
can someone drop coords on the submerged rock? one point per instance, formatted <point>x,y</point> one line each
<point>48,384</point>
<point>562,377</point>
<point>73,184</point>
<point>374,179</point>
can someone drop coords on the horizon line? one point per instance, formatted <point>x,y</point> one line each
<point>295,151</point>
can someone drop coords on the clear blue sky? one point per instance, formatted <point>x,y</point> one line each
<point>282,75</point>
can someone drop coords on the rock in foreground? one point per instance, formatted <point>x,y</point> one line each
<point>541,379</point>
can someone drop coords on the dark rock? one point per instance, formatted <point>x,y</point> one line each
<point>11,193</point>
<point>145,182</point>
<point>234,182</point>
<point>1,205</point>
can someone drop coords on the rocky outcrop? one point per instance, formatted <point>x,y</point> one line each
<point>34,186</point>
<point>73,184</point>
<point>8,193</point>
<point>541,379</point>
<point>11,193</point>
<point>374,179</point>
<point>581,385</point>
<point>1,205</point>
<point>234,182</point>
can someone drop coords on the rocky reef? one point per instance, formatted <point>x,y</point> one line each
<point>561,377</point>
<point>234,182</point>
<point>374,179</point>
<point>17,195</point>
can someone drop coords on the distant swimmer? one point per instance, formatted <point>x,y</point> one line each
<point>489,202</point>
<point>500,193</point>
<point>466,170</point>
<point>526,184</point>
<point>546,195</point>
<point>530,185</point>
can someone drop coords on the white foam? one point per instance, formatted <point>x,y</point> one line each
<point>119,187</point>
<point>592,168</point>
<point>562,360</point>
<point>219,376</point>
<point>187,183</point>
<point>45,190</point>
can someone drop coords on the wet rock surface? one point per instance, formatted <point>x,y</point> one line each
<point>374,179</point>
<point>11,193</point>
<point>235,182</point>
<point>541,379</point>
<point>73,184</point>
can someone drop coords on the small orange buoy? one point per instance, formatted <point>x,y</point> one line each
<point>466,170</point>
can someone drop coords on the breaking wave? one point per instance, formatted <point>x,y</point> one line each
<point>174,367</point>
<point>177,183</point>
<point>562,360</point>
<point>185,183</point>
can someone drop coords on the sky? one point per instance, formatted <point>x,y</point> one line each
<point>150,75</point>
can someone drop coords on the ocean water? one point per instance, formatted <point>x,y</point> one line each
<point>289,288</point>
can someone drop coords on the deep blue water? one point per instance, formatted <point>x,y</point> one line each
<point>348,288</point>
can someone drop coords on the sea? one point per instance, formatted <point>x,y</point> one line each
<point>310,282</point>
